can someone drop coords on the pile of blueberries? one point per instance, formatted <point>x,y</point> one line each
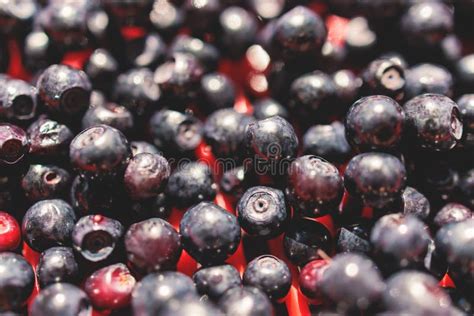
<point>216,157</point>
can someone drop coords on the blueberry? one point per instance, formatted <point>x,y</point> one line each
<point>360,39</point>
<point>110,287</point>
<point>64,90</point>
<point>415,203</point>
<point>102,69</point>
<point>377,178</point>
<point>327,141</point>
<point>354,238</point>
<point>166,17</point>
<point>451,49</point>
<point>298,33</point>
<point>452,213</point>
<point>16,281</point>
<point>95,196</point>
<point>156,289</point>
<point>270,274</point>
<point>158,206</point>
<point>140,147</point>
<point>262,211</point>
<point>146,175</point>
<point>304,238</point>
<point>375,123</point>
<point>215,281</point>
<point>428,78</point>
<point>43,182</point>
<point>61,299</point>
<point>399,242</point>
<point>315,186</point>
<point>224,131</point>
<point>136,90</point>
<point>17,15</point>
<point>110,114</point>
<point>57,264</point>
<point>202,17</point>
<point>310,278</point>
<point>175,133</point>
<point>179,79</point>
<point>238,29</point>
<point>194,306</point>
<point>347,84</point>
<point>439,179</point>
<point>99,150</point>
<point>218,91</point>
<point>14,143</point>
<point>190,184</point>
<point>49,138</point>
<point>271,143</point>
<point>434,121</point>
<point>206,53</point>
<point>245,301</point>
<point>129,12</point>
<point>235,181</point>
<point>163,245</point>
<point>385,77</point>
<point>466,111</point>
<point>416,293</point>
<point>147,51</point>
<point>48,223</point>
<point>424,30</point>
<point>268,107</point>
<point>39,51</point>
<point>465,72</point>
<point>19,100</point>
<point>209,233</point>
<point>466,186</point>
<point>351,281</point>
<point>95,237</point>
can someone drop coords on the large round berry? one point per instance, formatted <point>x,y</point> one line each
<point>310,278</point>
<point>57,264</point>
<point>14,143</point>
<point>386,77</point>
<point>61,299</point>
<point>327,141</point>
<point>215,281</point>
<point>245,301</point>
<point>43,182</point>
<point>428,78</point>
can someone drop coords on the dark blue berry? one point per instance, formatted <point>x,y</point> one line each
<point>206,53</point>
<point>267,107</point>
<point>452,213</point>
<point>385,77</point>
<point>19,100</point>
<point>43,182</point>
<point>218,91</point>
<point>327,141</point>
<point>14,143</point>
<point>57,264</point>
<point>49,139</point>
<point>110,114</point>
<point>61,299</point>
<point>238,29</point>
<point>428,78</point>
<point>102,69</point>
<point>245,301</point>
<point>415,203</point>
<point>215,281</point>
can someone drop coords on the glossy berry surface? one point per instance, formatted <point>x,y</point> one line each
<point>215,281</point>
<point>428,78</point>
<point>57,264</point>
<point>110,114</point>
<point>209,233</point>
<point>267,107</point>
<point>385,77</point>
<point>206,53</point>
<point>327,141</point>
<point>452,213</point>
<point>42,182</point>
<point>415,203</point>
<point>16,281</point>
<point>20,100</point>
<point>61,299</point>
<point>161,239</point>
<point>10,232</point>
<point>14,143</point>
<point>102,68</point>
<point>310,278</point>
<point>95,236</point>
<point>49,138</point>
<point>218,91</point>
<point>256,302</point>
<point>270,274</point>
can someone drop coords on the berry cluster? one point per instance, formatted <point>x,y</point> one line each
<point>236,157</point>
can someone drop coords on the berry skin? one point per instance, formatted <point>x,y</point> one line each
<point>267,107</point>
<point>400,295</point>
<point>19,100</point>
<point>209,233</point>
<point>245,301</point>
<point>466,111</point>
<point>16,281</point>
<point>140,147</point>
<point>110,287</point>
<point>466,188</point>
<point>434,121</point>
<point>310,278</point>
<point>377,178</point>
<point>64,90</point>
<point>157,289</point>
<point>206,53</point>
<point>354,238</point>
<point>61,299</point>
<point>315,186</point>
<point>270,143</point>
<point>452,213</point>
<point>42,182</point>
<point>415,203</point>
<point>224,131</point>
<point>158,206</point>
<point>109,114</point>
<point>49,138</point>
<point>270,274</point>
<point>263,212</point>
<point>146,175</point>
<point>304,238</point>
<point>374,123</point>
<point>465,72</point>
<point>215,281</point>
<point>166,17</point>
<point>10,232</point>
<point>194,307</point>
<point>14,144</point>
<point>163,246</point>
<point>57,264</point>
<point>202,17</point>
<point>428,78</point>
<point>235,181</point>
<point>347,85</point>
<point>95,237</point>
<point>102,69</point>
<point>99,150</point>
<point>218,91</point>
<point>191,184</point>
<point>298,33</point>
<point>147,51</point>
<point>399,242</point>
<point>175,133</point>
<point>425,30</point>
<point>136,90</point>
<point>385,77</point>
<point>48,223</point>
<point>327,141</point>
<point>351,281</point>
